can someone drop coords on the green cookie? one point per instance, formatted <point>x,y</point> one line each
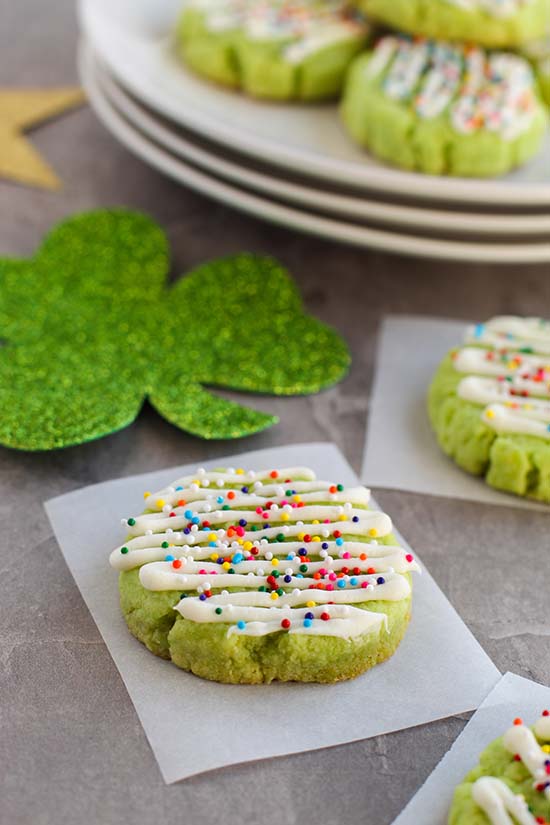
<point>277,50</point>
<point>292,579</point>
<point>488,405</point>
<point>538,53</point>
<point>490,23</point>
<point>503,783</point>
<point>432,107</point>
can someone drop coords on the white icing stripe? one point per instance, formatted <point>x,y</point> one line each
<point>511,383</point>
<point>520,740</point>
<point>473,89</point>
<point>542,727</point>
<point>499,803</point>
<point>300,559</point>
<point>496,8</point>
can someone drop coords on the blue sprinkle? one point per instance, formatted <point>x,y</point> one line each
<point>299,576</point>
<point>202,597</point>
<point>237,558</point>
<point>302,551</point>
<point>324,546</point>
<point>188,514</point>
<point>288,579</point>
<point>340,583</point>
<point>339,542</point>
<point>220,500</point>
<point>219,561</point>
<point>179,488</point>
<point>380,580</point>
<point>169,557</point>
<point>212,544</point>
<point>186,530</point>
<point>307,622</point>
<point>242,522</point>
<point>195,519</point>
<point>244,489</point>
<point>309,616</point>
<point>355,519</point>
<point>290,557</point>
<point>353,581</point>
<point>548,427</point>
<point>241,625</point>
<point>479,330</point>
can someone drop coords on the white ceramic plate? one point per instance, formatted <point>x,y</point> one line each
<point>209,157</point>
<point>133,37</point>
<point>275,212</point>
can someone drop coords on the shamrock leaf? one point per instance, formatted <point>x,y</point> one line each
<point>91,330</point>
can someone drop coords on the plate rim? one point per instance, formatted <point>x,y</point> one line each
<point>397,243</point>
<point>358,208</point>
<point>381,178</point>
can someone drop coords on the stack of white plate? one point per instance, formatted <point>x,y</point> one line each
<point>293,164</point>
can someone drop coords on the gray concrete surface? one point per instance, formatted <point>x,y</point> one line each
<point>71,747</point>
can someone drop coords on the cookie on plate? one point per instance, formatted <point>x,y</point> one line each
<point>489,404</point>
<point>490,23</point>
<point>444,109</point>
<point>273,49</point>
<point>248,577</point>
<point>511,784</point>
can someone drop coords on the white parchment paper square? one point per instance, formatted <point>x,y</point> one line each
<point>401,451</point>
<point>194,725</point>
<point>511,697</point>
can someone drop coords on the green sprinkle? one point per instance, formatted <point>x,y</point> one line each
<point>183,595</point>
<point>262,588</point>
<point>219,611</point>
<point>165,544</point>
<point>131,522</point>
<point>303,568</point>
<point>339,487</point>
<point>275,573</point>
<point>230,570</point>
<point>124,550</point>
<point>226,507</point>
<point>280,536</point>
<point>280,591</point>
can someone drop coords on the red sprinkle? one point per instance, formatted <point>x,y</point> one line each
<point>285,623</point>
<point>325,617</point>
<point>176,563</point>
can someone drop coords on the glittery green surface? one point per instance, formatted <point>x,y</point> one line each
<point>91,330</point>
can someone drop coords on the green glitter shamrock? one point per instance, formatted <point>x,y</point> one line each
<point>91,329</point>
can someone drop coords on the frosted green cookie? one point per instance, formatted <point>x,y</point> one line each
<point>510,786</point>
<point>246,577</point>
<point>273,49</point>
<point>490,23</point>
<point>445,110</point>
<point>489,405</point>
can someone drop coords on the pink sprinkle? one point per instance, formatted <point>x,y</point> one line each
<point>259,510</point>
<point>330,587</point>
<point>240,531</point>
<point>346,555</point>
<point>332,577</point>
<point>265,515</point>
<point>364,584</point>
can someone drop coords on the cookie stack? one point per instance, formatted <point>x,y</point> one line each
<point>451,93</point>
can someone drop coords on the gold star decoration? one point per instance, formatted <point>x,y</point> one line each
<point>20,109</point>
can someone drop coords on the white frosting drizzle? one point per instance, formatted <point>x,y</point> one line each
<point>498,802</point>
<point>303,27</point>
<point>496,8</point>
<point>512,384</point>
<point>310,577</point>
<point>474,89</point>
<point>495,797</point>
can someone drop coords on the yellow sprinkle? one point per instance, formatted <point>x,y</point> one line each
<point>196,481</point>
<point>248,545</point>
<point>297,499</point>
<point>274,595</point>
<point>310,604</point>
<point>300,536</point>
<point>285,517</point>
<point>212,537</point>
<point>274,562</point>
<point>240,541</point>
<point>509,404</point>
<point>160,502</point>
<point>226,565</point>
<point>240,471</point>
<point>489,414</point>
<point>546,748</point>
<point>214,556</point>
<point>373,532</point>
<point>527,406</point>
<point>315,521</point>
<point>316,538</point>
<point>342,518</point>
<point>146,494</point>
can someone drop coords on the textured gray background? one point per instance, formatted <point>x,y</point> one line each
<point>71,747</point>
